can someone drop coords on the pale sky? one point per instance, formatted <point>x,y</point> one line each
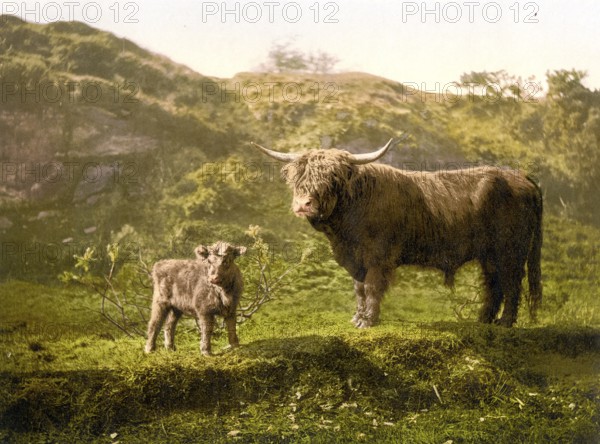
<point>424,43</point>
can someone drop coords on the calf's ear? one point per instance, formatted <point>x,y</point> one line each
<point>201,252</point>
<point>239,251</point>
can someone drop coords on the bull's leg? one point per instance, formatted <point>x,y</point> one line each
<point>157,317</point>
<point>230,322</point>
<point>493,293</point>
<point>376,283</point>
<point>359,289</point>
<point>170,324</point>
<point>511,270</point>
<point>206,324</point>
<point>511,287</point>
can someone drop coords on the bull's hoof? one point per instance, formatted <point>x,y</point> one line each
<point>364,323</point>
<point>148,349</point>
<point>502,322</point>
<point>358,320</point>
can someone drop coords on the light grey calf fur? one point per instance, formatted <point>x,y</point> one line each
<point>203,287</point>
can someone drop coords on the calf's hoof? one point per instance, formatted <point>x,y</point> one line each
<point>356,318</point>
<point>148,349</point>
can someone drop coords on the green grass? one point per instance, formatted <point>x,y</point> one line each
<point>335,385</point>
<point>304,374</point>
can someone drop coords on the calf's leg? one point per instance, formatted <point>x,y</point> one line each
<point>170,324</point>
<point>157,317</point>
<point>206,324</point>
<point>231,331</point>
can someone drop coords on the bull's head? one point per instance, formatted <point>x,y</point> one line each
<point>318,177</point>
<point>219,257</point>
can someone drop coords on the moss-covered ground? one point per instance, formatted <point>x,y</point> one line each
<point>304,374</point>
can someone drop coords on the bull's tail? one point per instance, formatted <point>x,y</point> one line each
<point>534,270</point>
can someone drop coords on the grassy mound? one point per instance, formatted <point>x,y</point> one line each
<point>464,382</point>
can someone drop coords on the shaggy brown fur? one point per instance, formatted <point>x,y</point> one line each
<point>377,217</point>
<point>207,286</point>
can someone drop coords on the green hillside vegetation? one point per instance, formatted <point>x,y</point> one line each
<point>160,162</point>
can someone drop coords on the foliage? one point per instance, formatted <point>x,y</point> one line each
<point>497,85</point>
<point>283,57</point>
<point>270,275</point>
<point>555,137</point>
<point>122,288</point>
<point>572,136</point>
<point>220,187</point>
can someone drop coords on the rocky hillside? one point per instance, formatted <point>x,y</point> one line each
<point>72,94</point>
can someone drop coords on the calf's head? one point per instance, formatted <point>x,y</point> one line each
<point>219,258</point>
<point>318,177</point>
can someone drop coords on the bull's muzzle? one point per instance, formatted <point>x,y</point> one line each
<point>303,206</point>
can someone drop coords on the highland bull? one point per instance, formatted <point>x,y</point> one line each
<point>377,218</point>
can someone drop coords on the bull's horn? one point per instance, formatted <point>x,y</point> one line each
<point>361,159</point>
<point>283,157</point>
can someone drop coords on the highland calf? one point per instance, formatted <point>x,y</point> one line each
<point>378,218</point>
<point>203,287</point>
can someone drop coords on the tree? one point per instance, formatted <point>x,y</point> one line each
<point>284,58</point>
<point>572,135</point>
<point>499,85</point>
<point>322,62</point>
